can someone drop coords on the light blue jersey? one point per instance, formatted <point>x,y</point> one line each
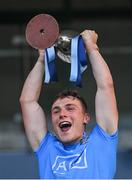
<point>92,158</point>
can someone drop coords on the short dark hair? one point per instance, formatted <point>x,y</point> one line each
<point>74,94</point>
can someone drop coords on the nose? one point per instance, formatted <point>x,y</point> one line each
<point>63,113</point>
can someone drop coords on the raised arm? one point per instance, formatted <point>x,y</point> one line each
<point>105,101</point>
<point>33,115</point>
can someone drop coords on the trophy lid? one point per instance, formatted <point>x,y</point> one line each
<point>42,31</point>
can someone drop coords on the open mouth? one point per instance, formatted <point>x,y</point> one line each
<point>65,125</point>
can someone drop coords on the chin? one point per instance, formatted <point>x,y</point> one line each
<point>69,140</point>
<point>68,137</point>
<point>66,141</point>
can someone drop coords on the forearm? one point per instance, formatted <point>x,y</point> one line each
<point>32,86</point>
<point>100,69</point>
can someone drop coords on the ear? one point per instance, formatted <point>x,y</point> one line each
<point>87,118</point>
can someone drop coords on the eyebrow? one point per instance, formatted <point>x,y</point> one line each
<point>67,105</point>
<point>71,105</point>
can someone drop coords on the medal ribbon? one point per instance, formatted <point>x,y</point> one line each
<point>50,68</point>
<point>78,60</point>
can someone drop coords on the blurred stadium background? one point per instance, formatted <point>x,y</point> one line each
<point>112,20</point>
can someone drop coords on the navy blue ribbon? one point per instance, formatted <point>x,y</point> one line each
<point>78,62</point>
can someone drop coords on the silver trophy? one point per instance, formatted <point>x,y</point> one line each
<point>63,45</point>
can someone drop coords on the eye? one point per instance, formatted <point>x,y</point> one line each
<point>70,108</point>
<point>56,110</point>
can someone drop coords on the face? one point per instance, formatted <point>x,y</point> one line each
<point>68,119</point>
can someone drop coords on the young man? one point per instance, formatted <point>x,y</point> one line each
<point>70,153</point>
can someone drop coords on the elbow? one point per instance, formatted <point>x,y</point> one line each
<point>23,99</point>
<point>106,86</point>
<point>107,83</point>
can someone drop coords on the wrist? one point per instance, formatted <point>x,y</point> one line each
<point>92,48</point>
<point>41,59</point>
<point>41,56</point>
